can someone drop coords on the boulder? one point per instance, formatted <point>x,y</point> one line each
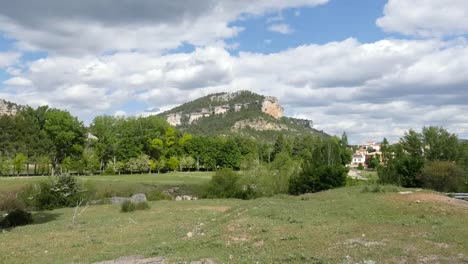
<point>138,198</point>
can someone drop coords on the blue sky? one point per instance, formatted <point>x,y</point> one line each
<point>372,68</point>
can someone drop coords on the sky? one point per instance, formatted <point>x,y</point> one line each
<point>371,68</point>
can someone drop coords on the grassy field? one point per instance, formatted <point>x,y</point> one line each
<point>120,183</point>
<point>338,226</point>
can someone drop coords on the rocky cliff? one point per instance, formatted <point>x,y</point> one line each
<point>7,108</point>
<point>220,104</point>
<point>240,112</point>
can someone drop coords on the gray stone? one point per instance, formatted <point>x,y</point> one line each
<point>118,200</point>
<point>139,197</point>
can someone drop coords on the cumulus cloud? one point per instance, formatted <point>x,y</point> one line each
<point>18,81</point>
<point>95,27</point>
<point>426,18</point>
<point>281,28</point>
<point>370,90</point>
<point>8,58</point>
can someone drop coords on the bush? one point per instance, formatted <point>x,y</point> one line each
<point>224,184</point>
<point>129,206</point>
<point>444,176</point>
<point>17,217</point>
<point>9,202</point>
<point>57,192</point>
<point>377,188</point>
<point>318,178</point>
<point>156,195</point>
<point>142,206</point>
<point>360,166</point>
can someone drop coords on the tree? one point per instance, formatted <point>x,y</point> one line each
<point>186,162</point>
<point>173,164</point>
<point>345,152</point>
<point>439,144</point>
<point>132,165</point>
<point>170,137</point>
<point>120,166</point>
<point>19,162</point>
<point>5,166</point>
<point>386,152</point>
<point>144,163</point>
<point>161,164</point>
<point>103,127</point>
<point>156,146</point>
<point>66,133</point>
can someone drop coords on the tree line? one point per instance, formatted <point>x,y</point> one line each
<point>433,158</point>
<point>48,141</point>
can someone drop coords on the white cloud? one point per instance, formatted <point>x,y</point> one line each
<point>90,27</point>
<point>8,58</point>
<point>426,18</point>
<point>281,28</point>
<point>120,113</point>
<point>18,81</point>
<point>370,90</point>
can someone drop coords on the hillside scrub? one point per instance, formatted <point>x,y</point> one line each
<point>318,178</point>
<point>444,176</point>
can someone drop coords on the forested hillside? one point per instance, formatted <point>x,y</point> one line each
<point>245,113</point>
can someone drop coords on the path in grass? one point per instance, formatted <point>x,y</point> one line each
<point>336,226</point>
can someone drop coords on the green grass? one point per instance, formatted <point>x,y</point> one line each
<point>119,183</point>
<point>336,226</point>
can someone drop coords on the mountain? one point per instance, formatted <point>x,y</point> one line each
<point>8,108</point>
<point>242,112</point>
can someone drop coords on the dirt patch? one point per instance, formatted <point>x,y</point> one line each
<point>430,197</point>
<point>361,242</point>
<point>211,208</point>
<point>137,259</point>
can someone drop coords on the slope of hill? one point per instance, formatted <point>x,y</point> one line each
<point>8,108</point>
<point>241,112</point>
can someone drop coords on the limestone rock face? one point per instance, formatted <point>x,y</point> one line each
<point>258,124</point>
<point>7,108</point>
<point>174,119</point>
<point>272,107</point>
<point>224,103</point>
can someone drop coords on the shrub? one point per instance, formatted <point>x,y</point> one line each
<point>17,217</point>
<point>142,206</point>
<point>444,176</point>
<point>129,206</point>
<point>156,195</point>
<point>224,184</point>
<point>9,202</point>
<point>318,178</point>
<point>377,188</point>
<point>60,191</point>
<point>360,166</point>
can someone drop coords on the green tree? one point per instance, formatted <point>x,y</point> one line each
<point>66,133</point>
<point>161,164</point>
<point>345,151</point>
<point>439,144</point>
<point>173,164</point>
<point>19,163</point>
<point>170,137</point>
